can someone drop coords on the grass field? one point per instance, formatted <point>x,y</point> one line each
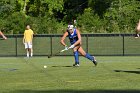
<point>112,75</point>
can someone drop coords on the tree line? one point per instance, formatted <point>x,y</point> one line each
<point>52,16</point>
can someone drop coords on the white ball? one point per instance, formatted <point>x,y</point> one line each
<point>45,66</point>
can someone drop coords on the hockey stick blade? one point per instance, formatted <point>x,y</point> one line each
<point>49,56</point>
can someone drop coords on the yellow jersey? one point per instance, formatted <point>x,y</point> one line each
<point>28,35</point>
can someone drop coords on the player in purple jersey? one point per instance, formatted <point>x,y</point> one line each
<point>75,40</point>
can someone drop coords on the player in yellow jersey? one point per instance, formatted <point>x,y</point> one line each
<point>27,40</point>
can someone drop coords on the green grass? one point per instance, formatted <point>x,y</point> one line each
<point>113,74</point>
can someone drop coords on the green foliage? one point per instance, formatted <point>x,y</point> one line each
<point>15,23</point>
<point>23,5</point>
<point>52,16</point>
<point>100,6</point>
<point>124,13</point>
<point>89,22</point>
<point>2,23</point>
<point>45,25</point>
<point>73,8</point>
<point>54,5</point>
<point>5,10</point>
<point>41,7</point>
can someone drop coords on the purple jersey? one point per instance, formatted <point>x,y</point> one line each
<point>73,37</point>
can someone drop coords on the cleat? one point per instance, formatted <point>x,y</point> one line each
<point>76,65</point>
<point>136,35</point>
<point>94,61</point>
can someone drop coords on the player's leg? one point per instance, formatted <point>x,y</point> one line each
<point>27,49</point>
<point>31,52</point>
<point>30,49</point>
<point>76,56</point>
<point>88,56</point>
<point>137,33</point>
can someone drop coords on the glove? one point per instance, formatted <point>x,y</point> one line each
<point>72,46</point>
<point>66,48</point>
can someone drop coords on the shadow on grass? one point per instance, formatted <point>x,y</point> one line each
<point>13,69</point>
<point>62,66</point>
<point>77,91</point>
<point>2,39</point>
<point>135,72</point>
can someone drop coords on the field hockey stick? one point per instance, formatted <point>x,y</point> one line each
<point>49,56</point>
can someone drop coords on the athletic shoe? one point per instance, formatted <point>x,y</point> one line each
<point>136,35</point>
<point>76,65</point>
<point>94,61</point>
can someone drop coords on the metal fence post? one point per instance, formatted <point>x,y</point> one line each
<point>123,46</point>
<point>16,44</point>
<point>51,44</point>
<point>87,43</point>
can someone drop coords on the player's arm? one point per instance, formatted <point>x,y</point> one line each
<point>63,38</point>
<point>79,38</point>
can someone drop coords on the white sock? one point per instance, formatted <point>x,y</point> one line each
<point>31,54</point>
<point>27,54</point>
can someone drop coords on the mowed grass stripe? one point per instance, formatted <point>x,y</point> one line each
<point>112,73</point>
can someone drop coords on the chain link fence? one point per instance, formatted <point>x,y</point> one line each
<point>95,44</point>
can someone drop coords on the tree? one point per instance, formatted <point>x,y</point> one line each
<point>43,7</point>
<point>89,22</point>
<point>99,6</point>
<point>73,8</point>
<point>96,16</point>
<point>54,5</point>
<point>124,13</point>
<point>23,5</point>
<point>6,8</point>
